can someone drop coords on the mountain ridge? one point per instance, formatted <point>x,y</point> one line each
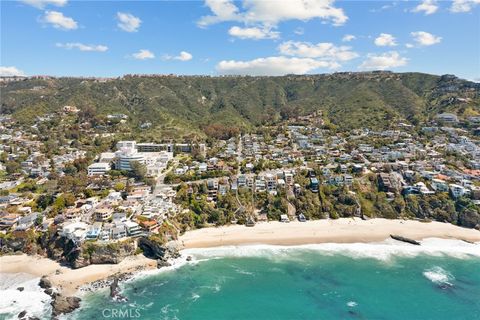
<point>351,100</point>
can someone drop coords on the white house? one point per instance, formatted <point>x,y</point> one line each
<point>447,118</point>
<point>439,185</point>
<point>133,229</point>
<point>457,190</point>
<point>76,230</point>
<point>98,169</point>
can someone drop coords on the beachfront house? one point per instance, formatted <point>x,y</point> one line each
<point>133,229</point>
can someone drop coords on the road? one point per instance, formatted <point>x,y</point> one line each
<point>239,153</point>
<point>160,179</point>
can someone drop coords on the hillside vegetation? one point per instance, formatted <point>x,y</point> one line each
<point>350,100</point>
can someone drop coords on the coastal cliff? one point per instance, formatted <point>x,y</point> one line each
<point>154,248</point>
<point>52,245</point>
<point>78,256</point>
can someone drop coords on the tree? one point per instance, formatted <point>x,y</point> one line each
<point>139,170</point>
<point>12,167</point>
<point>89,193</point>
<point>220,131</point>
<point>59,203</point>
<point>39,220</point>
<point>119,186</point>
<point>44,201</point>
<point>69,199</point>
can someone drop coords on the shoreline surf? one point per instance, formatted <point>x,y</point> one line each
<point>351,237</point>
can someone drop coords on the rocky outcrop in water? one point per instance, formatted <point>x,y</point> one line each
<point>63,305</point>
<point>403,239</point>
<point>60,304</point>
<point>24,316</point>
<point>45,283</point>
<point>115,291</point>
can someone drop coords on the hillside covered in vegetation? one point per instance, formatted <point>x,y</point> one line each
<point>350,100</point>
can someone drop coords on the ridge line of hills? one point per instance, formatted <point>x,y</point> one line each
<point>191,103</point>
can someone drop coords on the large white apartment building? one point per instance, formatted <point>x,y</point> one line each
<point>154,160</point>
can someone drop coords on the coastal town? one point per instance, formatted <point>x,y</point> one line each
<point>239,159</point>
<point>90,184</point>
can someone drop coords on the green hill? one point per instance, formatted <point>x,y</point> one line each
<point>351,100</point>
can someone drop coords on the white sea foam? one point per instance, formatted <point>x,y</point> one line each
<point>195,296</point>
<point>241,271</point>
<point>352,304</point>
<point>168,312</point>
<point>32,299</point>
<point>384,250</point>
<point>438,275</point>
<point>175,264</point>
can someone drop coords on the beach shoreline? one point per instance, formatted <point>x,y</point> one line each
<point>344,230</point>
<point>69,281</point>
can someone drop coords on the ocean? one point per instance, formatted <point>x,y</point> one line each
<point>388,280</point>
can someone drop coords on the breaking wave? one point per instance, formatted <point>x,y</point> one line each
<point>31,298</point>
<point>383,251</point>
<point>438,275</point>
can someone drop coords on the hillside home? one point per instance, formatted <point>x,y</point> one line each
<point>103,213</point>
<point>9,221</point>
<point>439,185</point>
<point>457,190</point>
<point>133,229</point>
<point>447,118</point>
<point>76,231</point>
<point>98,169</point>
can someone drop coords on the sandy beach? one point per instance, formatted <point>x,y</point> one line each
<point>323,231</point>
<point>70,280</point>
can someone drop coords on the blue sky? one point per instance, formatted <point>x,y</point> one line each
<point>112,38</point>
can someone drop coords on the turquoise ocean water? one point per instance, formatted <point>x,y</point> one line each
<point>440,280</point>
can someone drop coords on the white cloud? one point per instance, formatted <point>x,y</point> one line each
<point>385,40</point>
<point>223,10</point>
<point>459,6</point>
<point>384,7</point>
<point>10,71</point>
<point>427,6</point>
<point>59,21</point>
<point>273,66</point>
<point>423,38</point>
<point>40,4</point>
<point>348,38</point>
<point>182,56</point>
<point>272,12</point>
<point>409,45</point>
<point>82,47</point>
<point>299,31</point>
<point>253,33</point>
<point>143,54</point>
<point>383,61</point>
<point>128,22</point>
<point>322,50</point>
